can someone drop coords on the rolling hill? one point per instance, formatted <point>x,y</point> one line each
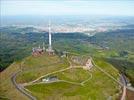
<point>76,84</point>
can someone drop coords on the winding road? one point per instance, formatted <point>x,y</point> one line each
<point>124,82</point>
<point>20,88</point>
<point>26,93</point>
<point>125,87</point>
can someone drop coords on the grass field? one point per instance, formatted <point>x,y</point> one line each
<point>107,67</point>
<point>40,61</point>
<point>40,69</point>
<point>7,89</point>
<point>73,75</point>
<point>99,87</point>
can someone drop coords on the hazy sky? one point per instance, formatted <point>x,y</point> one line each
<point>67,7</point>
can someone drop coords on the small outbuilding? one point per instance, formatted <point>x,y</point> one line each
<point>50,79</point>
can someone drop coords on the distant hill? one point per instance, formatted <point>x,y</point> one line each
<point>119,40</point>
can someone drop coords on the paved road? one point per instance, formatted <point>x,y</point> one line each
<point>123,78</point>
<point>20,88</point>
<point>125,87</point>
<point>124,82</point>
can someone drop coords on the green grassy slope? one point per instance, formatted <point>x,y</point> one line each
<point>100,86</point>
<point>121,42</point>
<point>74,75</point>
<point>38,66</point>
<point>35,67</point>
<point>107,67</point>
<point>7,89</point>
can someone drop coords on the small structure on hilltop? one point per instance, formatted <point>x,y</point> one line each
<point>64,54</point>
<point>88,64</point>
<point>37,51</point>
<point>50,79</point>
<point>82,62</point>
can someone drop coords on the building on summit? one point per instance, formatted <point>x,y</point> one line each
<point>39,51</point>
<point>36,51</point>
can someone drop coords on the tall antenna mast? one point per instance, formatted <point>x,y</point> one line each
<point>50,50</point>
<point>50,41</point>
<point>39,46</point>
<point>43,45</point>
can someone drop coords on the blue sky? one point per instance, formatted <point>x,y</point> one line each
<point>67,7</point>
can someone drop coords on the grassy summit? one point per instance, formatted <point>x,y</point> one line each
<point>34,67</point>
<point>99,87</point>
<point>74,83</point>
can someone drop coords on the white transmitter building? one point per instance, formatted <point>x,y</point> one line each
<point>36,51</point>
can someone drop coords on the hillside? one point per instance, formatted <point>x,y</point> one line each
<point>76,83</point>
<point>123,38</point>
<point>121,41</point>
<point>8,91</point>
<point>101,47</point>
<point>16,46</point>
